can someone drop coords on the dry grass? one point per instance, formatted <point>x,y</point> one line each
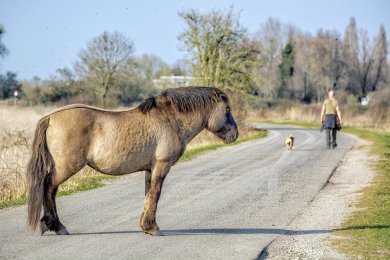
<point>16,130</point>
<point>17,126</point>
<point>13,155</point>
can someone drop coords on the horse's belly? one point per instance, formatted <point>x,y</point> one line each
<point>119,165</point>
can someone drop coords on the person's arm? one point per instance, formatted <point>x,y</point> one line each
<point>339,114</point>
<point>322,114</point>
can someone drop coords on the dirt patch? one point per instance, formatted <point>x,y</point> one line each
<point>311,231</point>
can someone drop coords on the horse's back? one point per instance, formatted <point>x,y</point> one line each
<point>82,106</point>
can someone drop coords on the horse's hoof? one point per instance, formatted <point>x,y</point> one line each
<point>44,228</point>
<point>154,232</point>
<point>62,231</point>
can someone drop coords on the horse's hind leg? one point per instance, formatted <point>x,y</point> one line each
<point>148,217</point>
<point>50,220</point>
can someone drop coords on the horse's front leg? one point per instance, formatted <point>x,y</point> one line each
<point>148,217</point>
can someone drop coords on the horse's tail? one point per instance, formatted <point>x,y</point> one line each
<point>39,169</point>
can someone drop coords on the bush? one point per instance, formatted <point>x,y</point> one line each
<point>379,108</point>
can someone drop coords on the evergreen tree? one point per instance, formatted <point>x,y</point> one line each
<point>286,69</point>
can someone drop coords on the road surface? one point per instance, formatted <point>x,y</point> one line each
<point>226,204</point>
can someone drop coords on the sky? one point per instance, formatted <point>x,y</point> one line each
<point>45,35</point>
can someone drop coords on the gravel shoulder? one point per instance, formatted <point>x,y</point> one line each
<point>311,232</point>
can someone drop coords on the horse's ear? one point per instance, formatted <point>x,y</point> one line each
<point>215,96</point>
<point>219,97</point>
<point>224,98</point>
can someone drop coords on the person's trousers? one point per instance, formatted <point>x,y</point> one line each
<point>330,136</point>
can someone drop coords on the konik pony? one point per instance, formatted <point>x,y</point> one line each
<point>149,138</point>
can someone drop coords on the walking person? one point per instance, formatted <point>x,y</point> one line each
<point>331,110</point>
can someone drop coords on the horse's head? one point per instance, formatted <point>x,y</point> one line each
<point>221,121</point>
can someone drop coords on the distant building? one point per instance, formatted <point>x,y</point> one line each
<point>165,82</point>
<point>365,101</point>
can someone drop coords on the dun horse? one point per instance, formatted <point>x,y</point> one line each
<point>151,138</point>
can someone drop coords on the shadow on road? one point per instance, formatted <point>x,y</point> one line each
<point>241,231</point>
<point>236,231</point>
<point>255,231</point>
<point>106,233</point>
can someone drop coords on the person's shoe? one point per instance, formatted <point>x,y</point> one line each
<point>334,145</point>
<point>328,145</point>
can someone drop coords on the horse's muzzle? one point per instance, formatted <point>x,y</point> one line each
<point>228,134</point>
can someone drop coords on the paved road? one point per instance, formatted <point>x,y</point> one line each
<point>230,204</point>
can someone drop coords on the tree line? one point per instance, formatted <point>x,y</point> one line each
<point>279,61</point>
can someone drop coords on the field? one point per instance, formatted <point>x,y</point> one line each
<point>16,131</point>
<point>17,126</point>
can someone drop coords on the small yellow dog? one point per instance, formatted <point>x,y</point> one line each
<point>289,142</point>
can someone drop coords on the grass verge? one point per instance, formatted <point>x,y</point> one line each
<point>368,229</point>
<point>366,232</point>
<point>87,183</point>
<point>13,202</point>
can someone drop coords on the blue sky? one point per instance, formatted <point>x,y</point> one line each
<point>44,35</point>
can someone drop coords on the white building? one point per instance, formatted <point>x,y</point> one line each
<point>165,82</point>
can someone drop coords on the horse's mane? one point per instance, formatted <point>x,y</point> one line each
<point>184,99</point>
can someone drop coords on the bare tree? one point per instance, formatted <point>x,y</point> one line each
<point>317,65</point>
<point>350,57</point>
<point>271,40</point>
<point>303,67</point>
<point>100,63</point>
<point>152,66</point>
<point>366,62</point>
<point>380,58</point>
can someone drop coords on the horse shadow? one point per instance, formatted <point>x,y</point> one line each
<point>264,231</point>
<point>236,231</point>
